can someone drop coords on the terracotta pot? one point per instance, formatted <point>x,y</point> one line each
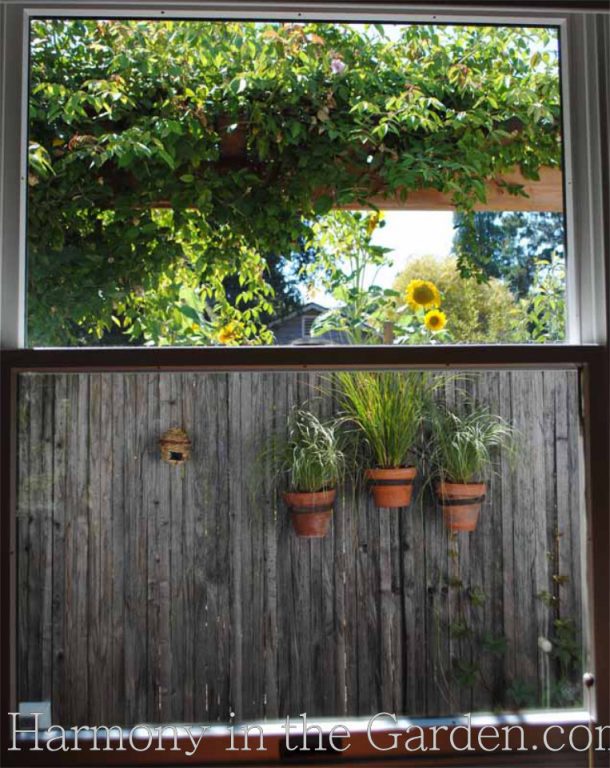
<point>461,504</point>
<point>391,487</point>
<point>311,512</point>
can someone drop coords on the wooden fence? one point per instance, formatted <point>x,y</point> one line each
<point>148,592</point>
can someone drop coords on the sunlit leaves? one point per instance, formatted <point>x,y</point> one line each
<point>129,115</point>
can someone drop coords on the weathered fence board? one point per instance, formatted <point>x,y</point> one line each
<point>148,592</point>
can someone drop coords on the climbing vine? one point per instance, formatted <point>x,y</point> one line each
<point>169,159</point>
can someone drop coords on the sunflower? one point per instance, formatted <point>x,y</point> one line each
<point>435,320</point>
<point>422,293</point>
<point>228,333</point>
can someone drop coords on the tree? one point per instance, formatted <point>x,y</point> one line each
<point>168,160</point>
<point>476,312</point>
<point>507,245</point>
<point>545,304</point>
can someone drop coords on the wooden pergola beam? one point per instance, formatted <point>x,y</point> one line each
<point>543,195</point>
<point>546,194</point>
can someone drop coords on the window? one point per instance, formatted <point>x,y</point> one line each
<point>84,394</point>
<point>308,321</point>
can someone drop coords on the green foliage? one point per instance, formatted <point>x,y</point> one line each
<point>476,312</point>
<point>346,267</point>
<point>477,596</point>
<point>547,598</point>
<point>523,695</point>
<point>459,629</point>
<point>566,693</point>
<point>565,646</point>
<point>545,303</point>
<point>493,644</point>
<point>311,457</point>
<point>462,444</point>
<point>235,129</point>
<point>386,410</point>
<point>467,670</point>
<point>455,582</point>
<point>465,673</point>
<point>506,245</point>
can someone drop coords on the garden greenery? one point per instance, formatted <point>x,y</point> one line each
<point>386,411</point>
<point>483,312</point>
<point>507,244</point>
<point>346,267</point>
<point>311,457</point>
<point>462,444</point>
<point>169,160</point>
<point>545,304</point>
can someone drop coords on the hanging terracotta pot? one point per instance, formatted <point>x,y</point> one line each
<point>461,504</point>
<point>311,512</point>
<point>391,487</point>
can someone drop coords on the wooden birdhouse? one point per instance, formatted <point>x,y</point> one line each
<point>175,446</point>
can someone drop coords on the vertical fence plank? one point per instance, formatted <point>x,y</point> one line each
<point>137,637</point>
<point>77,553</point>
<point>287,676</point>
<point>418,645</point>
<point>271,525</point>
<point>511,658</point>
<point>236,533</point>
<point>94,603</point>
<point>62,419</point>
<point>24,583</point>
<point>116,393</point>
<point>190,411</point>
<point>574,532</point>
<point>203,563</point>
<point>35,481</point>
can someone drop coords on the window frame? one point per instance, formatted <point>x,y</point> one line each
<point>586,157</point>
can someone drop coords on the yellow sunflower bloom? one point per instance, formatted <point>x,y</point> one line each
<point>435,320</point>
<point>422,293</point>
<point>228,333</point>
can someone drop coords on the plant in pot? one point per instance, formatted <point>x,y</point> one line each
<point>386,410</point>
<point>462,453</point>
<point>312,461</point>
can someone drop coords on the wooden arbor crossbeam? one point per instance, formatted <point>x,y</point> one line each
<point>546,194</point>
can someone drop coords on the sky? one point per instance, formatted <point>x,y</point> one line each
<point>412,234</point>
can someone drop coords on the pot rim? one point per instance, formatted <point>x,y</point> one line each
<point>329,494</point>
<point>461,491</point>
<point>397,472</point>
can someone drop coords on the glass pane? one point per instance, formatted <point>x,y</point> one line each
<point>236,183</point>
<point>161,577</point>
